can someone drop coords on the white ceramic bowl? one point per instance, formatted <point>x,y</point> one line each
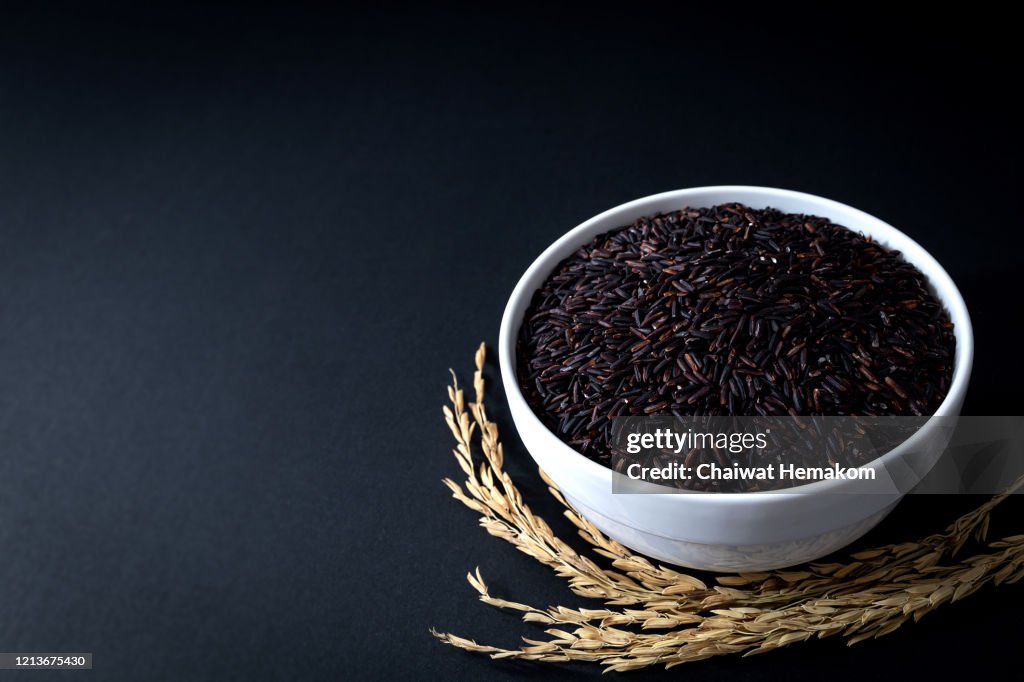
<point>738,531</point>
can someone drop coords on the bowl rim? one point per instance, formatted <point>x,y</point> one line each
<point>938,278</point>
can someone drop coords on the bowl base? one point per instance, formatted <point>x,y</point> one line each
<point>731,558</point>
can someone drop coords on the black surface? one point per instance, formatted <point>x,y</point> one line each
<point>239,251</point>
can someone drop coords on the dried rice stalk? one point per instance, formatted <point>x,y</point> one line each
<point>674,618</point>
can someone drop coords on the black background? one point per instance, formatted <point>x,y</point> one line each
<point>240,249</point>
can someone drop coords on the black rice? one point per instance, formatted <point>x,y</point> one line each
<point>730,310</point>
